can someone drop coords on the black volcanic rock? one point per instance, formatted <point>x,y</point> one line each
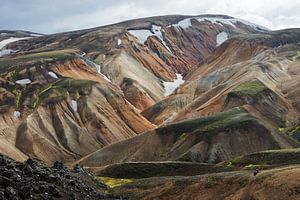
<point>34,180</point>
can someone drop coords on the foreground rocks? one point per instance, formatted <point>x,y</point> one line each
<point>34,180</point>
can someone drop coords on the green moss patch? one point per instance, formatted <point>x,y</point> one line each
<point>18,99</point>
<point>205,126</point>
<point>34,95</point>
<point>20,62</point>
<point>249,89</point>
<point>114,182</point>
<point>59,90</point>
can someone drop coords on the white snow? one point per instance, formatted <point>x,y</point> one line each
<point>98,68</point>
<point>105,77</point>
<point>53,75</point>
<point>35,35</point>
<point>83,54</point>
<point>4,52</point>
<point>99,72</point>
<point>232,22</point>
<point>17,114</point>
<point>183,23</point>
<point>170,87</point>
<point>119,42</point>
<point>74,105</point>
<point>5,42</point>
<point>143,34</point>
<point>217,20</point>
<point>158,33</point>
<point>23,81</point>
<point>221,37</point>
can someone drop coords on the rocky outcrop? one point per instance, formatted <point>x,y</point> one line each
<point>34,180</point>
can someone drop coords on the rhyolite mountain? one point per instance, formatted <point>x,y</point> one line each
<point>160,96</point>
<point>66,95</point>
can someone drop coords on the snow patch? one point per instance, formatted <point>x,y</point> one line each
<point>183,23</point>
<point>221,37</point>
<point>17,114</point>
<point>4,52</point>
<point>157,30</point>
<point>106,78</point>
<point>220,21</point>
<point>35,35</point>
<point>232,22</point>
<point>119,42</point>
<point>98,68</point>
<point>74,105</point>
<point>170,87</point>
<point>23,81</point>
<point>53,75</point>
<point>143,34</point>
<point>216,20</point>
<point>5,42</point>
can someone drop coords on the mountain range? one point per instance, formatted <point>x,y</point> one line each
<point>172,104</point>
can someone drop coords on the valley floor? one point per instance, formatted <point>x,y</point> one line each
<point>276,184</point>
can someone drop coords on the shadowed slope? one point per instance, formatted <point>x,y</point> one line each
<point>211,139</point>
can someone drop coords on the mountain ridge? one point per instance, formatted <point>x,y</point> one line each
<point>43,70</point>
